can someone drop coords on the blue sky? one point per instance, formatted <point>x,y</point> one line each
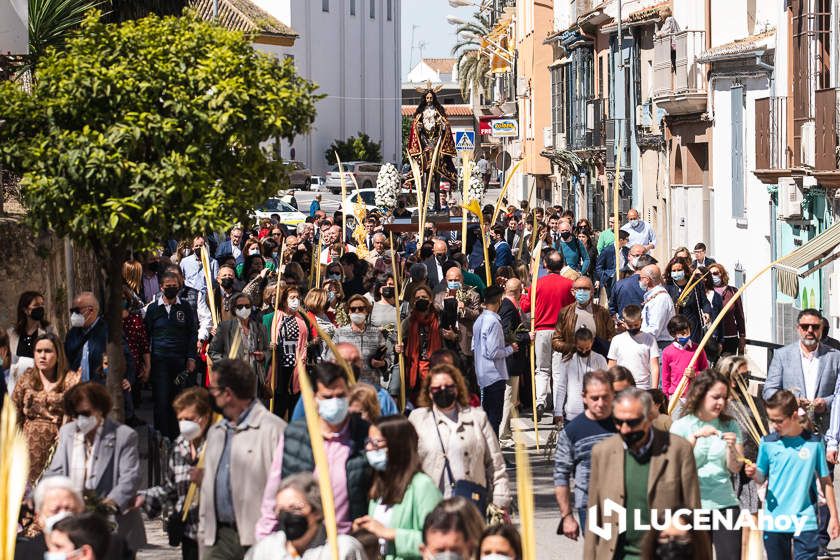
<point>430,17</point>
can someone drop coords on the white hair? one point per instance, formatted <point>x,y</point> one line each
<point>49,484</point>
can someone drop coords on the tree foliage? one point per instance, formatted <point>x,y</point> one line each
<point>355,148</point>
<point>51,21</point>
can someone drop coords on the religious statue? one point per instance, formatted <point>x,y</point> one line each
<point>429,128</point>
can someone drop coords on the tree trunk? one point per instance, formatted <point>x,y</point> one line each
<point>113,316</point>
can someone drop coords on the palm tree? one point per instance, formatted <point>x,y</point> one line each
<point>51,21</point>
<point>473,67</point>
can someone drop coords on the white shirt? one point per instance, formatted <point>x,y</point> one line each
<point>657,310</point>
<point>810,371</point>
<point>642,234</point>
<point>635,353</point>
<point>568,382</point>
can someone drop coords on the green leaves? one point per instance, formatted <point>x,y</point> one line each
<point>355,148</point>
<point>149,130</point>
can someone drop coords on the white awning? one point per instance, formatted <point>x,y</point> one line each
<point>788,268</point>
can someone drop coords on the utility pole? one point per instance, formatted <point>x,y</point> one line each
<point>411,54</point>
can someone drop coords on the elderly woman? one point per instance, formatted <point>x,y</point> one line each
<point>253,337</point>
<point>316,309</point>
<point>366,338</point>
<point>300,527</point>
<point>457,442</point>
<point>39,400</point>
<point>100,457</point>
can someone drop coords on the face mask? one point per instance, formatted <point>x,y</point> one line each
<point>582,296</point>
<point>274,254</point>
<point>336,277</point>
<point>294,303</point>
<point>717,280</point>
<point>565,234</point>
<point>445,398</point>
<point>387,293</point>
<point>683,340</point>
<point>37,314</point>
<point>334,410</point>
<point>448,555</point>
<point>440,258</point>
<point>61,555</point>
<point>633,223</point>
<point>226,283</point>
<point>293,525</point>
<point>633,437</point>
<point>678,276</point>
<point>77,320</point>
<point>170,292</point>
<point>358,318</point>
<point>454,285</point>
<point>674,550</point>
<point>330,296</point>
<point>189,429</point>
<point>378,459</point>
<point>50,521</point>
<point>86,424</point>
<point>634,332</point>
<point>253,252</point>
<point>243,313</point>
<point>421,305</point>
<point>495,556</point>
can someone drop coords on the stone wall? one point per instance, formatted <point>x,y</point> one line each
<point>31,261</point>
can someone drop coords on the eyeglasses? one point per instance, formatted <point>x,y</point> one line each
<point>376,443</point>
<point>79,309</point>
<point>631,422</point>
<point>356,309</point>
<point>810,326</point>
<point>243,306</point>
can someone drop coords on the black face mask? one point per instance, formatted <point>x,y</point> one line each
<point>633,438</point>
<point>227,283</point>
<point>293,525</point>
<point>37,314</point>
<point>421,305</point>
<point>154,267</point>
<point>634,332</point>
<point>171,292</point>
<point>566,234</point>
<point>444,398</point>
<point>584,354</point>
<point>674,550</point>
<point>388,293</point>
<point>440,258</point>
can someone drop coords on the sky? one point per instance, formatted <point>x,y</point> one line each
<point>430,18</point>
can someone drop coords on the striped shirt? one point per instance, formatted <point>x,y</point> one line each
<point>573,457</point>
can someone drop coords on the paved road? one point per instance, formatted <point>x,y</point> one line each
<point>330,202</point>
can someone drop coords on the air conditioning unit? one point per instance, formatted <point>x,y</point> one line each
<point>548,138</point>
<point>807,149</point>
<point>790,199</point>
<point>560,144</point>
<point>515,149</point>
<point>522,89</point>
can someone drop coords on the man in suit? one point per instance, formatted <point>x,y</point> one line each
<point>640,468</point>
<point>700,258</point>
<point>808,369</point>
<point>605,265</point>
<point>434,264</point>
<point>232,246</point>
<point>87,337</point>
<point>504,256</point>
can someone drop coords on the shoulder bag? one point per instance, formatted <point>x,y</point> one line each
<point>475,493</point>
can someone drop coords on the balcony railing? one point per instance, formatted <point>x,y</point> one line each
<point>675,67</point>
<point>587,129</point>
<point>771,133</point>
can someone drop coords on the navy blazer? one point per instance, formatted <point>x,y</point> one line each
<point>96,336</point>
<point>504,257</point>
<point>226,248</point>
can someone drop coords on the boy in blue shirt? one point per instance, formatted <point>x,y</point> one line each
<point>793,460</point>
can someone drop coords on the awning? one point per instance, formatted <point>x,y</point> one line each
<point>817,248</point>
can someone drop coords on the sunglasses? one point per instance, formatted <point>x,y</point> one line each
<point>810,326</point>
<point>358,309</point>
<point>631,423</point>
<point>243,306</point>
<point>434,390</point>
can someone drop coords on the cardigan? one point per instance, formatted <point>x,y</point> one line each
<point>407,517</point>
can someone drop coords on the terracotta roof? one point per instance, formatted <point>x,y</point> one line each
<point>739,46</point>
<point>647,13</point>
<point>444,65</point>
<point>451,110</point>
<point>245,16</point>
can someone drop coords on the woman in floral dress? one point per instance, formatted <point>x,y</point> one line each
<point>39,400</point>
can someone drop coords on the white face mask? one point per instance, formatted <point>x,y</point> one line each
<point>189,429</point>
<point>86,424</point>
<point>495,556</point>
<point>358,318</point>
<point>61,555</point>
<point>294,303</point>
<point>50,521</point>
<point>243,313</point>
<point>77,320</point>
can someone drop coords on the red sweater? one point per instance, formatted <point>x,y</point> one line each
<point>554,292</point>
<point>674,361</point>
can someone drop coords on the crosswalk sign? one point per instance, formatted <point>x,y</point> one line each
<point>465,140</point>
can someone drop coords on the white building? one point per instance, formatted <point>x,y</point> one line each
<point>351,50</point>
<point>14,37</point>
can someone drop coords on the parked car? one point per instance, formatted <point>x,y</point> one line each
<point>299,174</point>
<point>276,209</point>
<point>364,172</point>
<point>317,183</point>
<point>369,198</point>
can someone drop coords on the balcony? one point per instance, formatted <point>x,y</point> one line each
<point>679,81</point>
<point>586,132</point>
<point>773,154</point>
<point>826,148</point>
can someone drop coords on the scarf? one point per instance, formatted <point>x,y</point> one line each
<point>432,326</point>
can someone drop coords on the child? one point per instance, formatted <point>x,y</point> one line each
<point>636,350</point>
<point>677,355</point>
<point>568,372</point>
<point>793,461</point>
<point>659,413</point>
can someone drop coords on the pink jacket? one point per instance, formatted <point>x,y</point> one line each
<point>674,361</point>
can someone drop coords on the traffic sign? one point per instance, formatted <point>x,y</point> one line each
<point>465,140</point>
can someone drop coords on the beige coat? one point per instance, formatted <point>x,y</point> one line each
<point>484,463</point>
<point>672,484</point>
<point>251,454</point>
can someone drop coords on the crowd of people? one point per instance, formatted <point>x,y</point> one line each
<point>216,326</point>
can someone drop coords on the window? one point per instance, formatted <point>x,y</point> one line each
<point>737,159</point>
<point>325,5</point>
<point>352,7</point>
<point>390,5</point>
<point>372,9</point>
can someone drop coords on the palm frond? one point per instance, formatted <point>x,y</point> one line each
<point>51,21</point>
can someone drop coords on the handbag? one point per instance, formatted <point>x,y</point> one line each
<point>475,493</point>
<point>174,528</point>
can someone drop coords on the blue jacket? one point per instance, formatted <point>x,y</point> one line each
<point>96,337</point>
<point>314,206</point>
<point>172,335</point>
<point>504,257</point>
<point>605,265</point>
<point>225,249</point>
<point>626,292</point>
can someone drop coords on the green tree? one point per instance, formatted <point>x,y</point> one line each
<point>355,148</point>
<point>406,130</point>
<point>473,66</point>
<point>51,21</point>
<point>145,131</point>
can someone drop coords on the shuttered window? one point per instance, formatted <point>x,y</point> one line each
<point>737,162</point>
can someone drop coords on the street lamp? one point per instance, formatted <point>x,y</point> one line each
<point>460,3</point>
<point>470,36</point>
<point>452,20</point>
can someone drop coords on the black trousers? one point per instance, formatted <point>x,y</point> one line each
<point>493,403</point>
<point>164,390</point>
<point>284,398</point>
